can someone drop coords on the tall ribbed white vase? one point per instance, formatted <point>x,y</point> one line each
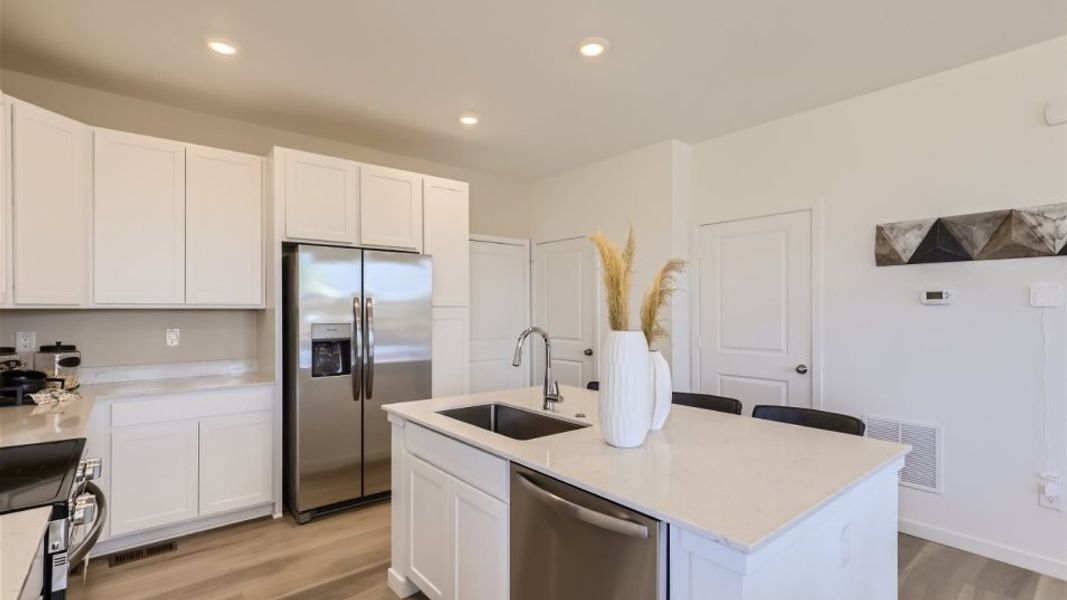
<point>663,391</point>
<point>625,389</point>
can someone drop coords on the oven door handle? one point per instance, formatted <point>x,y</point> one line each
<point>78,553</point>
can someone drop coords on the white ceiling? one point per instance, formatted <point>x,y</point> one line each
<point>395,74</point>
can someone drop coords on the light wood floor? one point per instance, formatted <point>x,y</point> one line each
<point>345,556</point>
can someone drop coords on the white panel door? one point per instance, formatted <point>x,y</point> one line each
<point>223,227</point>
<point>236,462</point>
<point>500,291</point>
<point>321,197</point>
<point>153,475</point>
<point>390,208</point>
<point>564,286</point>
<point>446,237</point>
<point>755,310</point>
<point>51,191</point>
<point>138,219</point>
<point>429,520</point>
<point>479,544</point>
<point>449,351</point>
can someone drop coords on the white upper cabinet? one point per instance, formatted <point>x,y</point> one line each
<point>138,219</point>
<point>50,198</point>
<point>223,227</point>
<point>447,239</point>
<point>390,208</point>
<point>321,197</point>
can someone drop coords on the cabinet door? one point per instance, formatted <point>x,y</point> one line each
<point>321,197</point>
<point>153,475</point>
<point>480,544</point>
<point>50,205</point>
<point>138,219</point>
<point>5,198</point>
<point>223,227</point>
<point>390,208</point>
<point>446,227</point>
<point>235,462</point>
<point>430,544</point>
<point>450,351</point>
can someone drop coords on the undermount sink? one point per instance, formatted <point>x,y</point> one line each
<point>512,422</point>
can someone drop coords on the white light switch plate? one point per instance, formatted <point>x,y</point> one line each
<point>1046,294</point>
<point>174,337</point>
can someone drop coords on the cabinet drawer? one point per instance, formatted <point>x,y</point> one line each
<point>178,407</point>
<point>479,469</point>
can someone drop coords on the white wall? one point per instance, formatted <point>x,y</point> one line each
<point>639,188</point>
<point>963,141</point>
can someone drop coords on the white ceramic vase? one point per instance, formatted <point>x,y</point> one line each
<point>625,389</point>
<point>662,390</point>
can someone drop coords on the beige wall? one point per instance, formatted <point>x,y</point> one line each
<point>498,203</point>
<point>128,337</point>
<point>967,140</point>
<point>499,206</point>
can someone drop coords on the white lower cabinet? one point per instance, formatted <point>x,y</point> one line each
<point>479,544</point>
<point>458,536</point>
<point>154,475</point>
<point>236,461</point>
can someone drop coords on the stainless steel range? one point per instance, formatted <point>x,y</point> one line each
<point>54,475</point>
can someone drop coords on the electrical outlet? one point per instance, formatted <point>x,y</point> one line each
<point>25,341</point>
<point>1050,495</point>
<point>174,337</point>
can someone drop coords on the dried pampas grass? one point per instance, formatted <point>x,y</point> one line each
<point>616,269</point>
<point>659,296</point>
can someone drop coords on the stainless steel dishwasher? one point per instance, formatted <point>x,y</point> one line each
<point>568,544</point>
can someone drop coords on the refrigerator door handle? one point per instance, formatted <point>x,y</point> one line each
<point>357,343</point>
<point>370,347</point>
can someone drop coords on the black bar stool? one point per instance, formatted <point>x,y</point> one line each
<point>809,417</point>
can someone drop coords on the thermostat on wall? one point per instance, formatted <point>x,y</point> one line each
<point>935,297</point>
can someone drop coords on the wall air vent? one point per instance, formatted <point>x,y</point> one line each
<point>922,466</point>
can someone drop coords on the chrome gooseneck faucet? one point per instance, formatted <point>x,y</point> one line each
<point>551,391</point>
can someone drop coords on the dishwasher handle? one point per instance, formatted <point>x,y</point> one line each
<point>586,515</point>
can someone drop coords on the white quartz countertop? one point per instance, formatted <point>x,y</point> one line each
<point>20,534</point>
<point>37,424</point>
<point>737,480</point>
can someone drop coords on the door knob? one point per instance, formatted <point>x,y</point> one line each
<point>588,352</point>
<point>802,369</point>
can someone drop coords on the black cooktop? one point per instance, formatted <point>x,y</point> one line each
<point>38,474</point>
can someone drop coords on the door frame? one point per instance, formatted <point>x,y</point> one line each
<point>816,211</point>
<point>527,281</point>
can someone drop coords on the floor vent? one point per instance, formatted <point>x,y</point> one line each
<point>922,466</point>
<point>128,556</point>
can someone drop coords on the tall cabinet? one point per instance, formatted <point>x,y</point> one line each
<point>446,235</point>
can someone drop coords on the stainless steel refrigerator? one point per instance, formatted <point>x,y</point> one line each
<point>357,336</point>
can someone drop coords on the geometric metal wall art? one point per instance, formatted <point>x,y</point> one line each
<point>1014,233</point>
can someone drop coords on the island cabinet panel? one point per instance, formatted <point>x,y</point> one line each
<point>153,475</point>
<point>446,237</point>
<point>321,196</point>
<point>430,543</point>
<point>224,228</point>
<point>390,213</point>
<point>51,170</point>
<point>138,219</point>
<point>480,544</point>
<point>235,471</point>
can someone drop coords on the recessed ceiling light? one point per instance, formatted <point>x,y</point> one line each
<point>592,47</point>
<point>223,48</point>
<point>468,119</point>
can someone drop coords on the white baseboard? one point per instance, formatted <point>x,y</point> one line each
<point>400,585</point>
<point>152,536</point>
<point>1006,554</point>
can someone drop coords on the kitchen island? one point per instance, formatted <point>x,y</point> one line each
<point>755,510</point>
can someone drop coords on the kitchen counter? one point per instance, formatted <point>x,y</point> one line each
<point>36,424</point>
<point>739,481</point>
<point>20,535</point>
